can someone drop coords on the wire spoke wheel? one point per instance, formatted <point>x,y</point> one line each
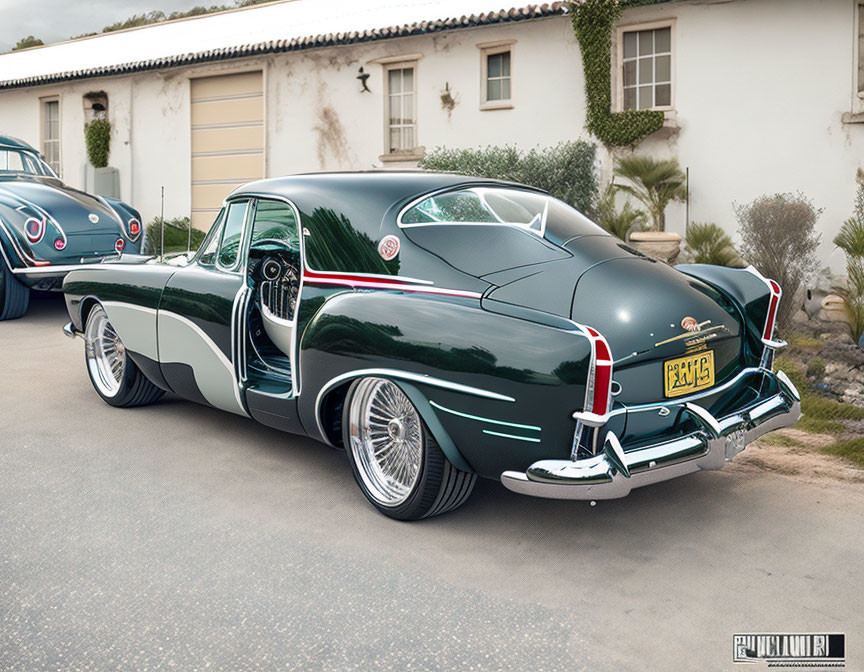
<point>386,441</point>
<point>106,354</point>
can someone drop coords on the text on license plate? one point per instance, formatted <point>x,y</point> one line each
<point>688,374</point>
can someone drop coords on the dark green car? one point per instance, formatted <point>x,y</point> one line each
<point>48,228</point>
<point>440,328</point>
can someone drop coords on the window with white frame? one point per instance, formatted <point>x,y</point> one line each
<point>401,108</point>
<point>646,67</point>
<point>51,132</point>
<point>496,62</point>
<point>859,27</point>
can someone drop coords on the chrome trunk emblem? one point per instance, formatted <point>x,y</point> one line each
<point>93,217</point>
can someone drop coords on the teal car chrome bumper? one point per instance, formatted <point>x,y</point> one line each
<point>615,471</point>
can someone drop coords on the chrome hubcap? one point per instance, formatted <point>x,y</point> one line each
<point>106,354</point>
<point>386,440</point>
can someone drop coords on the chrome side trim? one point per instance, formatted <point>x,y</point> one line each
<point>55,270</point>
<point>482,419</point>
<point>399,375</point>
<point>23,256</point>
<point>117,218</point>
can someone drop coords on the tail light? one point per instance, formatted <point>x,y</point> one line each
<point>120,245</point>
<point>34,229</point>
<point>59,244</point>
<point>134,227</point>
<point>598,396</point>
<point>770,319</point>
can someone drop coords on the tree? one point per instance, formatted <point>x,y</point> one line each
<point>654,183</point>
<point>27,42</point>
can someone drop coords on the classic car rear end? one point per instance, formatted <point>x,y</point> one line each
<point>691,383</point>
<point>48,228</point>
<point>681,372</point>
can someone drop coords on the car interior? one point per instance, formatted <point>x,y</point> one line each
<point>274,275</point>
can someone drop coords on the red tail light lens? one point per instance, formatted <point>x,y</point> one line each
<point>59,244</point>
<point>120,245</point>
<point>774,304</point>
<point>134,227</point>
<point>34,229</point>
<point>598,396</point>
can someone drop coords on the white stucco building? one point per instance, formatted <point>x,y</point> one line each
<point>760,96</point>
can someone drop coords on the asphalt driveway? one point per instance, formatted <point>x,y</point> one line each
<point>181,537</point>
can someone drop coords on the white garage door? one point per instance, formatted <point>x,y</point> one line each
<point>227,139</point>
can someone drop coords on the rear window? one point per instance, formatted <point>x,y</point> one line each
<point>538,213</point>
<point>15,161</point>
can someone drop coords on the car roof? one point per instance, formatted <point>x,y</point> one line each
<point>10,142</point>
<point>385,186</point>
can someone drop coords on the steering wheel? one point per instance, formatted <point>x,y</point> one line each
<point>273,268</point>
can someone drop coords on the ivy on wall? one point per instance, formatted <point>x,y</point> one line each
<point>593,21</point>
<point>97,135</point>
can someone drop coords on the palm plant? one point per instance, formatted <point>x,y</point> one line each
<point>709,244</point>
<point>620,223</point>
<point>654,183</point>
<point>851,241</point>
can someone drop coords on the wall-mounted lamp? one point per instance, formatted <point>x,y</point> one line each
<point>363,76</point>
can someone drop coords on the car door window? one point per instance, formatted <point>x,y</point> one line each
<point>232,235</point>
<point>207,251</point>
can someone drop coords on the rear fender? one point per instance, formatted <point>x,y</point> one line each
<point>748,288</point>
<point>496,391</point>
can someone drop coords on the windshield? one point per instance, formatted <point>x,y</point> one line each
<point>20,161</point>
<point>502,206</point>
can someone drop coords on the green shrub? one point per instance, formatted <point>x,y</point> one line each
<point>620,223</point>
<point>815,368</point>
<point>567,170</point>
<point>851,241</point>
<point>97,135</point>
<point>709,244</point>
<point>176,236</point>
<point>779,238</point>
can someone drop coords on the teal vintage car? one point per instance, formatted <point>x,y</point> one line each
<point>48,228</point>
<point>441,328</point>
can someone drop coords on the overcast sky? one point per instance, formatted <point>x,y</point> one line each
<point>56,20</point>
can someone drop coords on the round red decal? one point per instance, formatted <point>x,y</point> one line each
<point>388,248</point>
<point>690,324</point>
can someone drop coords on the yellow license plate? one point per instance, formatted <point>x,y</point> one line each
<point>688,374</point>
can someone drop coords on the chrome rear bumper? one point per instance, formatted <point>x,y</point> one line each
<point>616,471</point>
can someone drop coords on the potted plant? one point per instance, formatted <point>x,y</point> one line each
<point>654,183</point>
